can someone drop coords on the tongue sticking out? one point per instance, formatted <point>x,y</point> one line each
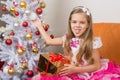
<point>77,31</point>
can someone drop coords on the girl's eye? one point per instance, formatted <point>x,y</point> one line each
<point>82,22</point>
<point>73,22</point>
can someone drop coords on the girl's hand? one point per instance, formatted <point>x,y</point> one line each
<point>68,69</point>
<point>37,22</point>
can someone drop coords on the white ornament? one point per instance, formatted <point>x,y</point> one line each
<point>16,24</point>
<point>5,69</point>
<point>33,16</point>
<point>27,12</point>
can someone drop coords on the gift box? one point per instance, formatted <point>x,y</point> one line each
<point>51,63</point>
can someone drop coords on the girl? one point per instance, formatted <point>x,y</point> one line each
<point>80,45</point>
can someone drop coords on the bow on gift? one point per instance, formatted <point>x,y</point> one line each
<point>58,57</point>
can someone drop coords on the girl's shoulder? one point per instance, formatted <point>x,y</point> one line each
<point>97,42</point>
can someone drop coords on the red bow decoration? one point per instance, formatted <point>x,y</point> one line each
<point>58,57</point>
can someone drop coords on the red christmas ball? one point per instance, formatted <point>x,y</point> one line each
<point>25,24</point>
<point>8,41</point>
<point>16,13</point>
<point>52,36</point>
<point>39,10</point>
<point>37,32</point>
<point>3,8</point>
<point>46,27</point>
<point>12,33</point>
<point>30,73</point>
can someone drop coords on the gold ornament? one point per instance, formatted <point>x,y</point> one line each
<point>24,65</point>
<point>35,50</point>
<point>12,10</point>
<point>20,51</point>
<point>23,4</point>
<point>24,49</point>
<point>11,71</point>
<point>42,5</point>
<point>29,36</point>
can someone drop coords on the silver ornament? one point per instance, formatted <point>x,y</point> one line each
<point>16,24</point>
<point>27,12</point>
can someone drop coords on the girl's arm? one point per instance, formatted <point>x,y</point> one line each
<point>48,40</point>
<point>71,69</point>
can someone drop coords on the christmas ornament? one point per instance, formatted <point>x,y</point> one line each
<point>30,73</point>
<point>16,24</point>
<point>29,36</point>
<point>12,10</point>
<point>5,69</point>
<point>8,41</point>
<point>20,51</point>
<point>25,24</point>
<point>23,4</point>
<point>46,27</point>
<point>2,35</point>
<point>42,5</point>
<point>35,50</point>
<point>19,70</point>
<point>33,16</point>
<point>24,65</point>
<point>27,12</point>
<point>3,8</point>
<point>52,36</point>
<point>39,10</point>
<point>11,71</point>
<point>12,33</point>
<point>37,32</point>
<point>24,49</point>
<point>16,13</point>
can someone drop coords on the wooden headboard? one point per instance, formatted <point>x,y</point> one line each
<point>110,36</point>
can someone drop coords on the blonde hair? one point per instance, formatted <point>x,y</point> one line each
<point>87,36</point>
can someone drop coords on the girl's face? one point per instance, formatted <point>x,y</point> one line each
<point>78,23</point>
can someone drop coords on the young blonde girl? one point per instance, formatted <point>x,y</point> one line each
<point>81,46</point>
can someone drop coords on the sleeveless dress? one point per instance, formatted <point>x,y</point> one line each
<point>108,71</point>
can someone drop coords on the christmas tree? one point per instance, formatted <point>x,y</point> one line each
<point>20,42</point>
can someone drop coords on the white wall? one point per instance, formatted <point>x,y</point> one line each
<point>57,12</point>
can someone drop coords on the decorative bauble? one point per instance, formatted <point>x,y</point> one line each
<point>16,13</point>
<point>5,69</point>
<point>33,16</point>
<point>12,9</point>
<point>2,35</point>
<point>37,32</point>
<point>29,36</point>
<point>30,73</point>
<point>25,24</point>
<point>12,33</point>
<point>8,41</point>
<point>23,4</point>
<point>16,24</point>
<point>3,8</point>
<point>24,49</point>
<point>20,51</point>
<point>27,12</point>
<point>46,27</point>
<point>19,70</point>
<point>42,5</point>
<point>52,36</point>
<point>39,10</point>
<point>35,50</point>
<point>11,71</point>
<point>24,65</point>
